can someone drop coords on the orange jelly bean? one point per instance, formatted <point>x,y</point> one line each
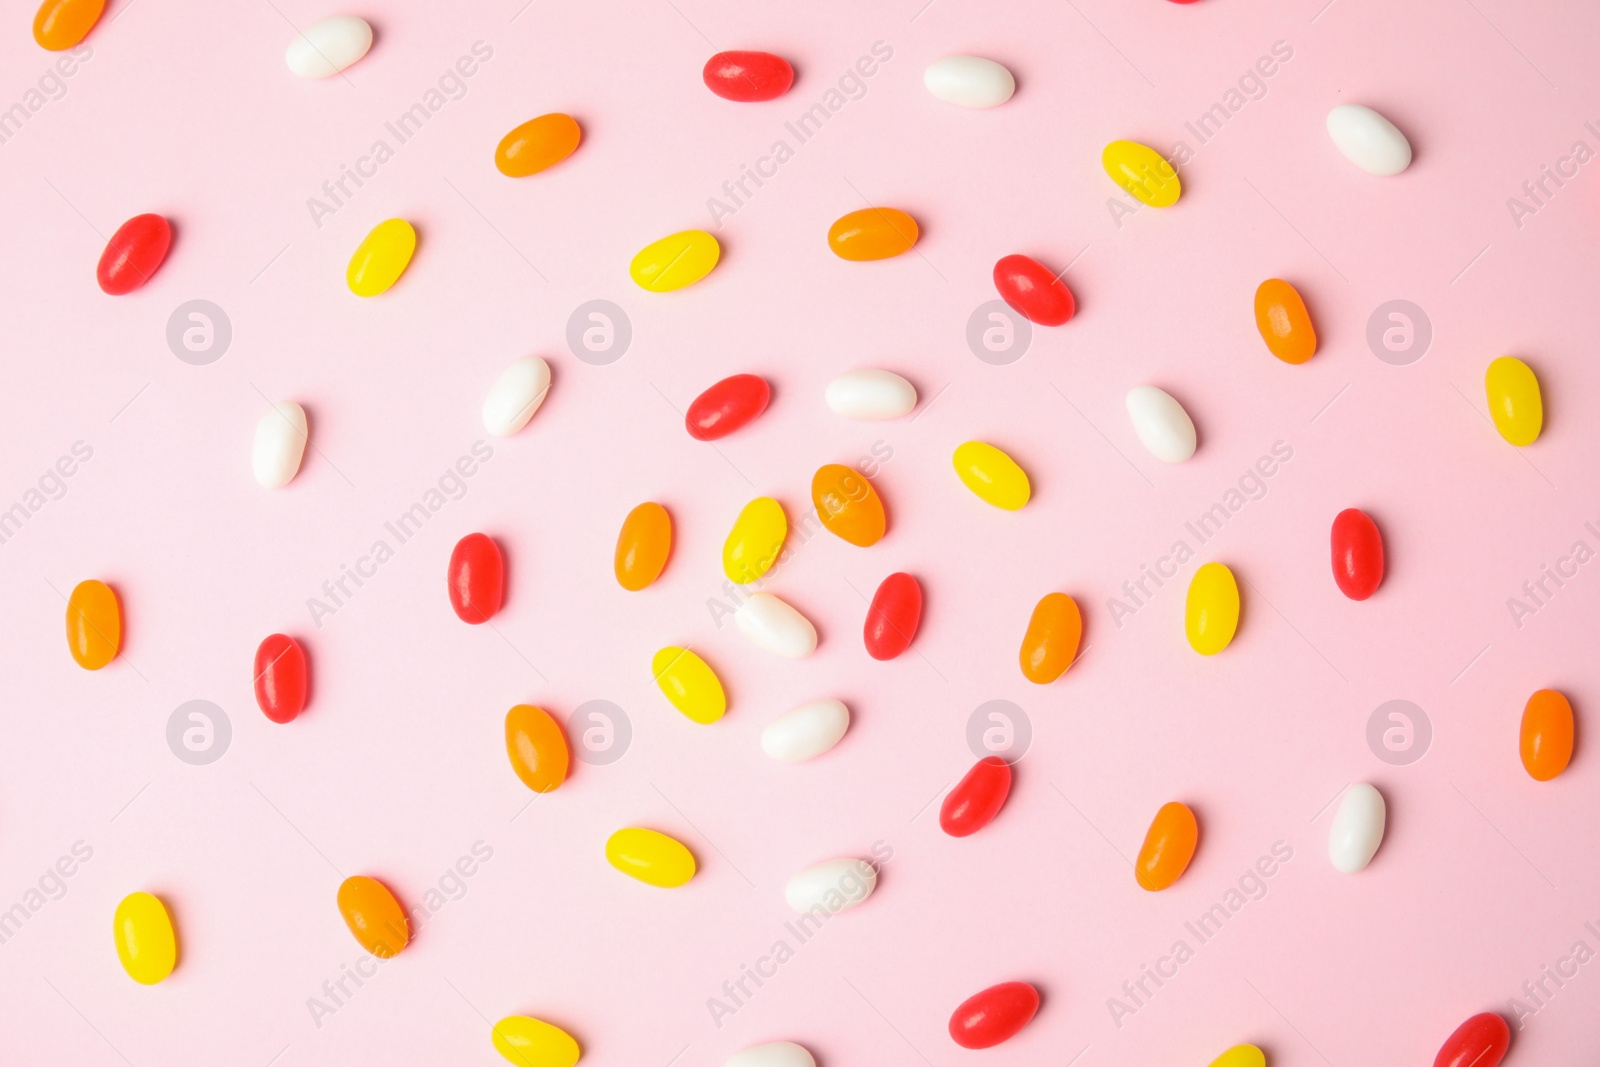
<point>1284,322</point>
<point>537,747</point>
<point>848,505</point>
<point>537,144</point>
<point>94,624</point>
<point>1168,847</point>
<point>872,233</point>
<point>374,916</point>
<point>1547,729</point>
<point>60,24</point>
<point>643,546</point>
<point>1051,643</point>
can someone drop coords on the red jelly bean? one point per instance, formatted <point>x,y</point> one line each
<point>977,798</point>
<point>477,578</point>
<point>133,254</point>
<point>727,406</point>
<point>893,618</point>
<point>1357,554</point>
<point>1481,1041</point>
<point>281,678</point>
<point>748,76</point>
<point>1034,290</point>
<point>985,1019</point>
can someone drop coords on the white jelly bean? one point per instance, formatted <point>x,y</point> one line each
<point>776,626</point>
<point>329,46</point>
<point>1369,140</point>
<point>1164,428</point>
<point>280,444</point>
<point>969,81</point>
<point>834,886</point>
<point>515,396</point>
<point>1357,828</point>
<point>772,1054</point>
<point>806,732</point>
<point>871,394</point>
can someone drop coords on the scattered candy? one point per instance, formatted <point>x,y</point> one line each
<point>977,798</point>
<point>643,545</point>
<point>327,47</point>
<point>969,81</point>
<point>147,945</point>
<point>1357,554</point>
<point>529,1042</point>
<point>1036,293</point>
<point>1168,847</point>
<point>775,1054</point>
<point>872,233</point>
<point>515,396</point>
<point>805,732</point>
<point>893,616</point>
<point>476,578</point>
<point>381,257</point>
<point>1285,324</point>
<point>994,1015</point>
<point>94,624</point>
<point>537,144</point>
<point>1515,403</point>
<point>729,405</point>
<point>756,540</point>
<point>774,625</point>
<point>847,505</point>
<point>1164,428</point>
<point>1369,140</point>
<point>1142,172</point>
<point>833,886</point>
<point>871,394</point>
<point>1546,737</point>
<point>134,253</point>
<point>690,684</point>
<point>1051,642</point>
<point>1240,1055</point>
<point>675,261</point>
<point>748,77</point>
<point>374,916</point>
<point>1211,613</point>
<point>993,476</point>
<point>1481,1041</point>
<point>537,747</point>
<point>653,858</point>
<point>1357,828</point>
<point>60,24</point>
<point>281,678</point>
<point>280,445</point>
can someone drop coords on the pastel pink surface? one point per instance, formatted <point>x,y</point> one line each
<point>397,767</point>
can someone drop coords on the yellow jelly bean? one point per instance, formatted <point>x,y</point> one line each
<point>1211,614</point>
<point>1241,1056</point>
<point>992,475</point>
<point>690,684</point>
<point>755,541</point>
<point>1514,400</point>
<point>94,624</point>
<point>1142,172</point>
<point>676,261</point>
<point>654,859</point>
<point>381,257</point>
<point>146,942</point>
<point>530,1042</point>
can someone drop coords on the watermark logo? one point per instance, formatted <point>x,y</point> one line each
<point>1538,591</point>
<point>998,334</point>
<point>1399,332</point>
<point>599,332</point>
<point>1399,732</point>
<point>198,732</point>
<point>999,728</point>
<point>199,332</point>
<point>600,731</point>
<point>50,886</point>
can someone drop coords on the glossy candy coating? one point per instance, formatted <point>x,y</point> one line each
<point>675,261</point>
<point>748,77</point>
<point>775,625</point>
<point>643,545</point>
<point>1211,611</point>
<point>1241,1056</point>
<point>772,1054</point>
<point>537,747</point>
<point>872,233</point>
<point>1163,426</point>
<point>1033,290</point>
<point>1168,847</point>
<point>281,678</point>
<point>1051,642</point>
<point>279,445</point>
<point>1142,171</point>
<point>516,395</point>
<point>374,916</point>
<point>529,1042</point>
<point>1357,829</point>
<point>1284,322</point>
<point>653,858</point>
<point>1481,1041</point>
<point>381,257</point>
<point>1369,140</point>
<point>1546,735</point>
<point>996,1014</point>
<point>146,942</point>
<point>969,81</point>
<point>690,684</point>
<point>806,732</point>
<point>756,540</point>
<point>834,886</point>
<point>537,144</point>
<point>1357,554</point>
<point>329,46</point>
<point>893,616</point>
<point>727,406</point>
<point>60,24</point>
<point>994,477</point>
<point>1515,402</point>
<point>134,253</point>
<point>94,624</point>
<point>476,578</point>
<point>871,394</point>
<point>847,505</point>
<point>977,798</point>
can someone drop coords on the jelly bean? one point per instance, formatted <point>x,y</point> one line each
<point>893,617</point>
<point>374,916</point>
<point>529,1042</point>
<point>1036,293</point>
<point>834,886</point>
<point>327,47</point>
<point>1357,828</point>
<point>1051,642</point>
<point>969,81</point>
<point>60,24</point>
<point>756,540</point>
<point>477,578</point>
<point>1168,847</point>
<point>727,406</point>
<point>134,253</point>
<point>774,625</point>
<point>847,505</point>
<point>1164,428</point>
<point>643,545</point>
<point>515,396</point>
<point>993,476</point>
<point>690,684</point>
<point>1240,1055</point>
<point>1357,554</point>
<point>1211,613</point>
<point>871,394</point>
<point>147,945</point>
<point>653,858</point>
<point>280,445</point>
<point>381,257</point>
<point>1369,140</point>
<point>977,798</point>
<point>996,1014</point>
<point>1514,400</point>
<point>537,747</point>
<point>805,732</point>
<point>773,1054</point>
<point>537,144</point>
<point>94,624</point>
<point>1284,322</point>
<point>1140,170</point>
<point>872,233</point>
<point>1481,1041</point>
<point>675,261</point>
<point>748,77</point>
<point>281,678</point>
<point>1547,729</point>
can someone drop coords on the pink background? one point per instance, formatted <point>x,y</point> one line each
<point>397,767</point>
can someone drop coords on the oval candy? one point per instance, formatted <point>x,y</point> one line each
<point>281,678</point>
<point>1143,172</point>
<point>1546,735</point>
<point>327,47</point>
<point>146,942</point>
<point>675,261</point>
<point>537,747</point>
<point>690,684</point>
<point>773,1054</point>
<point>993,476</point>
<point>727,406</point>
<point>994,1015</point>
<point>1369,140</point>
<point>1357,828</point>
<point>60,24</point>
<point>833,886</point>
<point>747,77</point>
<point>134,253</point>
<point>1211,611</point>
<point>381,257</point>
<point>1284,322</point>
<point>871,394</point>
<point>374,916</point>
<point>774,625</point>
<point>756,540</point>
<point>94,624</point>
<point>529,1042</point>
<point>1050,643</point>
<point>893,616</point>
<point>872,233</point>
<point>1357,554</point>
<point>1515,402</point>
<point>653,858</point>
<point>977,798</point>
<point>1481,1041</point>
<point>515,396</point>
<point>1036,293</point>
<point>1241,1056</point>
<point>806,732</point>
<point>1163,427</point>
<point>1168,847</point>
<point>280,445</point>
<point>969,81</point>
<point>537,144</point>
<point>643,545</point>
<point>847,505</point>
<point>476,578</point>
